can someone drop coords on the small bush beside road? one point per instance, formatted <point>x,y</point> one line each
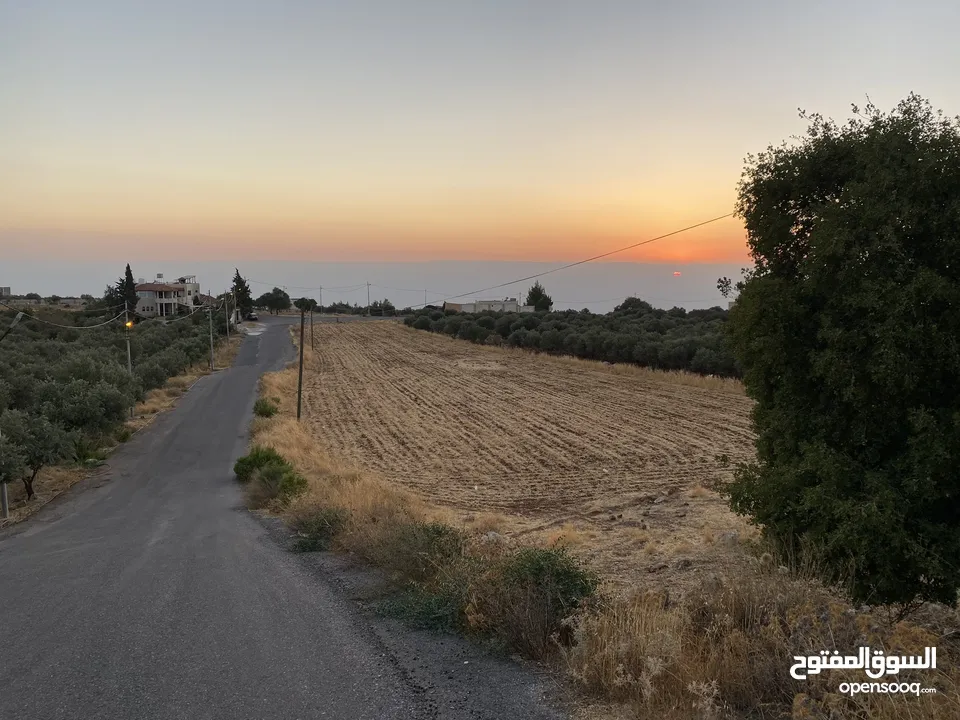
<point>257,458</point>
<point>264,408</point>
<point>268,477</point>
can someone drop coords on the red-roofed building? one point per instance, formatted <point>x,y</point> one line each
<point>163,299</point>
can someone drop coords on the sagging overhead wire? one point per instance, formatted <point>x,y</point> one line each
<point>58,325</point>
<point>196,309</point>
<point>416,290</point>
<point>301,287</point>
<point>587,260</point>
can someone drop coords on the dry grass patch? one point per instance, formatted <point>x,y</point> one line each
<point>567,535</point>
<point>725,651</point>
<point>50,482</point>
<point>485,522</point>
<point>374,507</point>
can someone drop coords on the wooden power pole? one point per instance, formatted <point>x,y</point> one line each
<point>300,379</point>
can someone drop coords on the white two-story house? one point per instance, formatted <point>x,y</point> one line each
<point>164,299</point>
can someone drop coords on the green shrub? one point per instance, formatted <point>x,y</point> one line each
<point>277,480</point>
<point>151,374</point>
<point>258,457</point>
<point>317,530</point>
<point>173,361</point>
<point>417,551</point>
<point>555,572</point>
<point>13,461</point>
<point>264,408</point>
<point>439,609</point>
<point>87,452</point>
<point>123,434</point>
<point>530,595</point>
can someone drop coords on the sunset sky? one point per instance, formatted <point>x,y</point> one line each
<point>394,130</point>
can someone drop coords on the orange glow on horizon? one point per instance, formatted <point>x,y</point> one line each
<point>720,242</point>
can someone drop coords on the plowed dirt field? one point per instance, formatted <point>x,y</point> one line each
<point>614,462</point>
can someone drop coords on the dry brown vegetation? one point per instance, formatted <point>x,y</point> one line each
<point>693,621</point>
<point>547,442</point>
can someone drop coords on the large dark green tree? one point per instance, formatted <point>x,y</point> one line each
<point>124,290</point>
<point>538,297</point>
<point>275,300</point>
<point>847,328</point>
<point>241,294</point>
<point>127,289</point>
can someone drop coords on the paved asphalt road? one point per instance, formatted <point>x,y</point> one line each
<point>149,592</point>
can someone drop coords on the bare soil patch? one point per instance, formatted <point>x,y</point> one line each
<point>616,464</point>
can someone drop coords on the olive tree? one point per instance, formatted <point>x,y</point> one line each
<point>12,461</point>
<point>40,441</point>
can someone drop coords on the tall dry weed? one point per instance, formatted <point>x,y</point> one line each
<point>726,651</point>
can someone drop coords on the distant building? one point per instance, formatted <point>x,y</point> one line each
<point>163,299</point>
<point>22,301</point>
<point>5,292</point>
<point>507,305</point>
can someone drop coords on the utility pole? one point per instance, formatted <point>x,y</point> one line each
<point>311,328</point>
<point>424,298</point>
<point>210,315</point>
<point>12,325</point>
<point>368,299</point>
<point>127,325</point>
<point>4,501</point>
<point>300,379</point>
<point>321,301</point>
<point>226,312</point>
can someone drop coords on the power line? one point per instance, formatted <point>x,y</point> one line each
<point>590,259</point>
<point>66,327</point>
<point>445,296</point>
<point>196,309</point>
<point>301,287</point>
<point>416,290</point>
